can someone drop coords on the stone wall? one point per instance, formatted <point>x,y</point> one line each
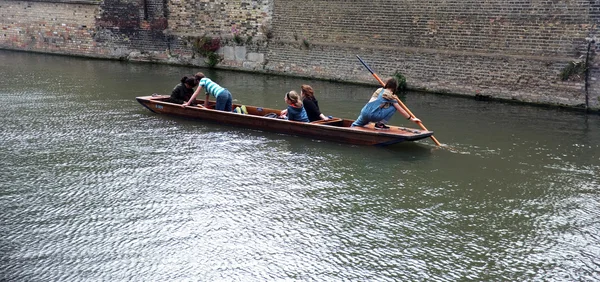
<point>510,50</point>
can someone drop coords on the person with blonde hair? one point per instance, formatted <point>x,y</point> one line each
<point>295,110</point>
<point>311,105</point>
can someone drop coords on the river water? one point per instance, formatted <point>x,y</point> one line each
<point>96,187</point>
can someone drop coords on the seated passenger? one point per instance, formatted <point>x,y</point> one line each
<point>295,110</point>
<point>382,106</point>
<point>183,91</point>
<point>311,105</point>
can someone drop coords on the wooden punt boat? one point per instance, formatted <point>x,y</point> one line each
<point>335,129</point>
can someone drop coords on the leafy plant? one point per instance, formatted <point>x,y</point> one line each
<point>573,69</point>
<point>213,59</point>
<point>306,43</point>
<point>237,39</point>
<point>401,81</point>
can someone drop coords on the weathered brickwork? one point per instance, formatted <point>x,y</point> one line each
<point>211,17</point>
<point>134,29</point>
<point>242,20</point>
<point>511,50</point>
<point>109,29</point>
<point>593,92</point>
<point>454,73</point>
<point>48,27</point>
<point>516,27</point>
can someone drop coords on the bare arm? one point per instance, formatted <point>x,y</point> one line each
<point>405,114</point>
<point>323,117</point>
<point>206,101</point>
<point>193,98</point>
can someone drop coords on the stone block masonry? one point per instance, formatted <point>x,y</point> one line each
<point>512,50</point>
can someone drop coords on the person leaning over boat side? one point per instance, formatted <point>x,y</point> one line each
<point>183,91</point>
<point>295,110</point>
<point>222,95</point>
<point>311,105</point>
<point>382,106</point>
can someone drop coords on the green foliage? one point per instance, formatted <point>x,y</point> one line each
<point>574,70</point>
<point>401,81</point>
<point>248,40</point>
<point>237,39</point>
<point>213,59</point>
<point>306,43</point>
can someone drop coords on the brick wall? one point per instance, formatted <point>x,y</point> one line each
<point>511,50</point>
<point>133,29</point>
<point>545,28</point>
<point>48,27</point>
<point>198,17</point>
<point>109,29</point>
<point>513,78</point>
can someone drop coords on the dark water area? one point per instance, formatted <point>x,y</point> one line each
<point>96,187</point>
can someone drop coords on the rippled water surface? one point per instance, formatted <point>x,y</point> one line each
<point>96,187</point>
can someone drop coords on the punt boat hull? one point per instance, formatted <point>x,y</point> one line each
<point>336,129</point>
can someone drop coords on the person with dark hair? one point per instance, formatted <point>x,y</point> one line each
<point>295,110</point>
<point>382,106</point>
<point>222,95</point>
<point>183,91</point>
<point>311,105</point>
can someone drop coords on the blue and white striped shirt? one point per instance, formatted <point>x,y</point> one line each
<point>211,87</point>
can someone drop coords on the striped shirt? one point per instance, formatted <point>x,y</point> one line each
<point>211,87</point>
